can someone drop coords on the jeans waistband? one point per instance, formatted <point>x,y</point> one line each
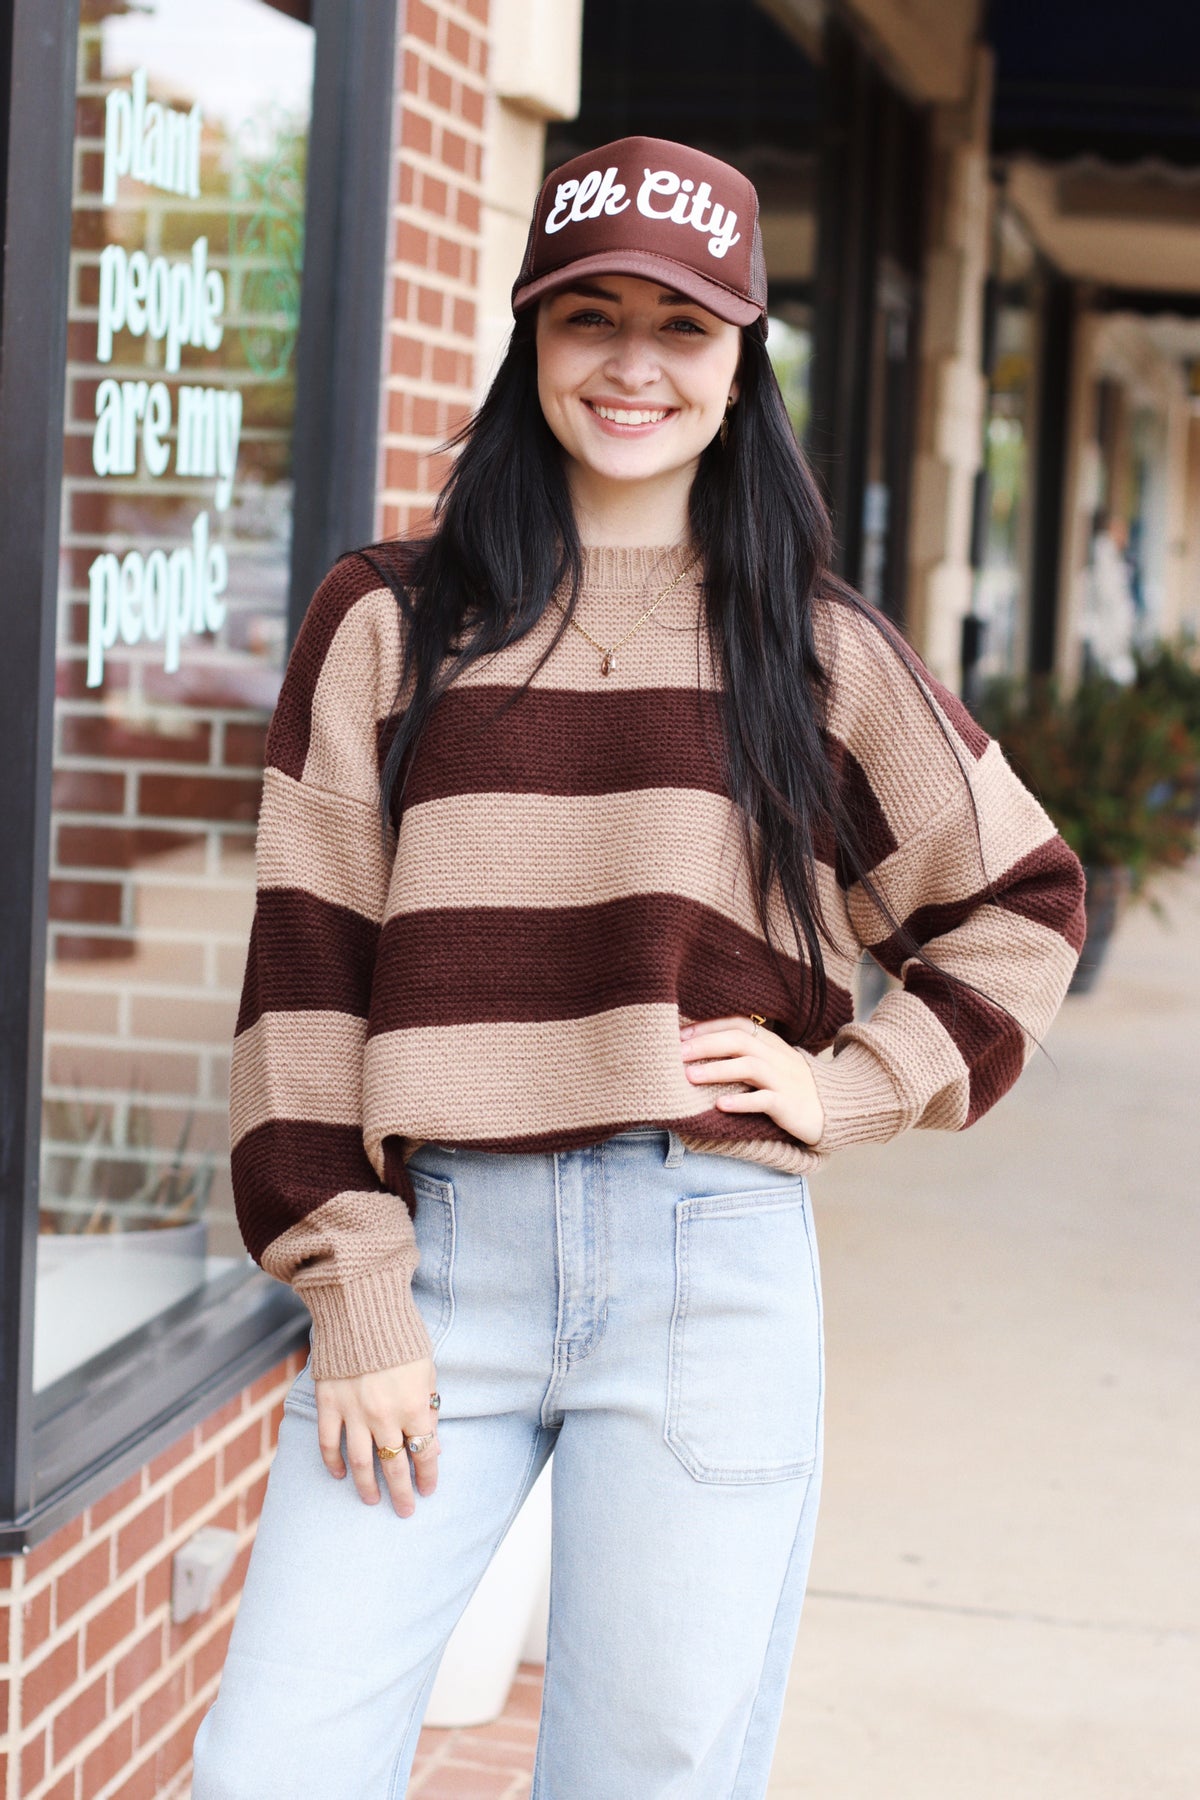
<point>673,1145</point>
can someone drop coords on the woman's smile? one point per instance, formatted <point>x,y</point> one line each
<point>619,419</point>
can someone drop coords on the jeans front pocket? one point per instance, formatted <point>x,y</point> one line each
<point>434,1228</point>
<point>746,1359</point>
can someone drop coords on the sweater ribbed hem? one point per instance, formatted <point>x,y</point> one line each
<point>859,1097</point>
<point>365,1325</point>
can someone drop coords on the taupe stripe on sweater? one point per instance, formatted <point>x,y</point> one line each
<point>566,885</point>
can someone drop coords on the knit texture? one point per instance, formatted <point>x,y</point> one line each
<point>566,884</point>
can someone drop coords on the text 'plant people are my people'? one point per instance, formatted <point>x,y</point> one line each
<point>161,596</point>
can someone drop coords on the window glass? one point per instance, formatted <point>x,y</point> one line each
<point>186,252</point>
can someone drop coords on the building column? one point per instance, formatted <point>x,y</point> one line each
<point>534,70</point>
<point>952,389</point>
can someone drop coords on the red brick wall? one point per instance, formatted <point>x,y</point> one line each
<point>430,354</point>
<point>100,1695</point>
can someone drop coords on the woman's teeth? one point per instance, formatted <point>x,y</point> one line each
<point>620,416</point>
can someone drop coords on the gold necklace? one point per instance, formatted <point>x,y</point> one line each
<point>609,651</point>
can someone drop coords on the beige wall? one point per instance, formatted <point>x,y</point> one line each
<point>533,77</point>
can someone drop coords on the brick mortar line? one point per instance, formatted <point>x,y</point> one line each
<point>68,989</point>
<point>156,1491</point>
<point>425,108</point>
<point>456,396</point>
<point>149,879</point>
<point>79,1752</point>
<point>443,60</point>
<point>153,934</point>
<point>419,387</point>
<point>424,162</point>
<point>442,284</point>
<point>406,213</point>
<point>435,335</point>
<point>458,15</point>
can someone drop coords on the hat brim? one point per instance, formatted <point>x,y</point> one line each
<point>735,309</point>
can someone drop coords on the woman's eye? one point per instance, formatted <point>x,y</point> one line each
<point>587,318</point>
<point>687,328</point>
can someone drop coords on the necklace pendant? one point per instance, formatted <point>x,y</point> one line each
<point>606,662</point>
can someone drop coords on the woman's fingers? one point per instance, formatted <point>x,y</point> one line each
<point>731,1065</point>
<point>360,1454</point>
<point>381,1411</point>
<point>779,1075</point>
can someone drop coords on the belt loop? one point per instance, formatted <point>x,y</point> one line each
<point>674,1150</point>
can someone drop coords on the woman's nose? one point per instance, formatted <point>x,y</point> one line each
<point>632,361</point>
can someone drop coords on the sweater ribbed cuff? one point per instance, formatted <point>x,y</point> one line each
<point>359,1326</point>
<point>859,1097</point>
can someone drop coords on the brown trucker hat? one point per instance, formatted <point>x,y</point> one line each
<point>646,206</point>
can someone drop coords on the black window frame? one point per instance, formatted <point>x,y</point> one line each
<point>67,1446</point>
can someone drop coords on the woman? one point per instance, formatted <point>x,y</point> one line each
<point>577,817</point>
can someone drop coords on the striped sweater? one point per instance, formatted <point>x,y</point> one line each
<point>565,887</point>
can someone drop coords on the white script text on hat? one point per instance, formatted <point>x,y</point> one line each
<point>596,192</point>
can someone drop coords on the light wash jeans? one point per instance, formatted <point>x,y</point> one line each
<point>650,1317</point>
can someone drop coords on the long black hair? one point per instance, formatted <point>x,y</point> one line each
<point>504,539</point>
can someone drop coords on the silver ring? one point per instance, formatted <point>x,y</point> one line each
<point>435,1400</point>
<point>422,1440</point>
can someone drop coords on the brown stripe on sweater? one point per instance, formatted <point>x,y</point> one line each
<point>567,962</point>
<point>992,1045</point>
<point>1040,887</point>
<point>285,1168</point>
<point>555,741</point>
<point>306,955</point>
<point>876,840</point>
<point>980,834</point>
<point>291,727</point>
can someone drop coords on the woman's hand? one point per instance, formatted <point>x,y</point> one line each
<point>731,1050</point>
<point>380,1408</point>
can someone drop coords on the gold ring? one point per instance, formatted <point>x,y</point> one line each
<point>758,1020</point>
<point>386,1454</point>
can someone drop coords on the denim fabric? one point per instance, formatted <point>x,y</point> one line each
<point>651,1318</point>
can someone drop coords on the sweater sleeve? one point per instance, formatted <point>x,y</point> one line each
<point>313,1209</point>
<point>973,872</point>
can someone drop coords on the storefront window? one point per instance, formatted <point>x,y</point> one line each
<point>186,254</point>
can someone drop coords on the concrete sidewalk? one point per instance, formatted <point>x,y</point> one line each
<point>1005,1596</point>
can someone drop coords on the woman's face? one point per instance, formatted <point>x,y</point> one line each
<point>633,378</point>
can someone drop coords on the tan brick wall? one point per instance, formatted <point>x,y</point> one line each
<point>100,1694</point>
<point>429,357</point>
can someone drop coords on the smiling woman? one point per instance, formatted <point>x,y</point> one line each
<point>528,1072</point>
